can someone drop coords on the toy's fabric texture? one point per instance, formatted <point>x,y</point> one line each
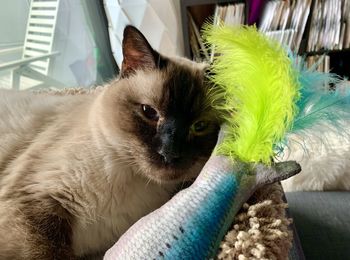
<point>192,224</point>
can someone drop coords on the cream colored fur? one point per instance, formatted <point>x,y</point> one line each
<point>324,155</point>
<point>75,155</point>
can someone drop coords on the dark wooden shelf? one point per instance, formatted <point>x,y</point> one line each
<point>186,5</point>
<point>202,9</point>
<point>204,2</point>
<point>321,52</point>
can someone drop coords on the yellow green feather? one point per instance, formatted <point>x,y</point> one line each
<point>255,78</point>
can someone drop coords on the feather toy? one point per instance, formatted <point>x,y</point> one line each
<point>319,105</point>
<point>256,79</point>
<point>319,109</point>
<point>263,94</point>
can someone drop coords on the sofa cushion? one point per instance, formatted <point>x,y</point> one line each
<point>322,220</point>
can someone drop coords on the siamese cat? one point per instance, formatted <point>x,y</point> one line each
<point>77,171</point>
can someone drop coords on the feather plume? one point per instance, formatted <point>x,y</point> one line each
<point>317,104</point>
<point>322,113</point>
<point>255,79</point>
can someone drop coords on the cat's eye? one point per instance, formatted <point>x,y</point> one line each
<point>200,127</point>
<point>149,112</point>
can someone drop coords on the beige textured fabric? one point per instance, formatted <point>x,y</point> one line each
<point>259,231</point>
<point>69,91</point>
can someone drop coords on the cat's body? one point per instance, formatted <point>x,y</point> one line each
<point>77,171</point>
<point>48,142</point>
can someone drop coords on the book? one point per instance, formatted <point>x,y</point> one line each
<point>197,46</point>
<point>322,62</point>
<point>329,25</point>
<point>232,14</point>
<point>286,21</point>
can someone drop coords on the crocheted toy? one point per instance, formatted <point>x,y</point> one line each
<point>263,96</point>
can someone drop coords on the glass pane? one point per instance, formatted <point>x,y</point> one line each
<point>54,43</point>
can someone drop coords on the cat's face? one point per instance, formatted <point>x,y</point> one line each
<point>160,109</point>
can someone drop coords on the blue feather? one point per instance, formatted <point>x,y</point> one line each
<point>317,104</point>
<point>318,108</point>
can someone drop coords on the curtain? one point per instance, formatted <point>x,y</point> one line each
<point>158,20</point>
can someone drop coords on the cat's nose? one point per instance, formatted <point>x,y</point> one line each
<point>169,157</point>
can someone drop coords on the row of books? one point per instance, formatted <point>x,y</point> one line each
<point>229,14</point>
<point>330,25</point>
<point>285,21</point>
<point>199,50</point>
<point>233,14</point>
<point>321,62</point>
<point>282,20</point>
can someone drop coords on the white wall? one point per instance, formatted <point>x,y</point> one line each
<point>177,8</point>
<point>158,20</point>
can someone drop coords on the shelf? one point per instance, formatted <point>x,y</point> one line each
<point>321,52</point>
<point>202,9</point>
<point>186,5</point>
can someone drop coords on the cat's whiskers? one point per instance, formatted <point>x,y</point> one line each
<point>183,182</point>
<point>148,181</point>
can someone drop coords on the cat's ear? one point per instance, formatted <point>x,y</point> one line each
<point>137,52</point>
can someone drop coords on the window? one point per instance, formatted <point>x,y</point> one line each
<point>54,43</point>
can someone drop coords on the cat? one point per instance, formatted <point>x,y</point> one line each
<point>77,171</point>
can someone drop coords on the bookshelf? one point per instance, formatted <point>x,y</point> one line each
<point>200,10</point>
<point>299,25</point>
